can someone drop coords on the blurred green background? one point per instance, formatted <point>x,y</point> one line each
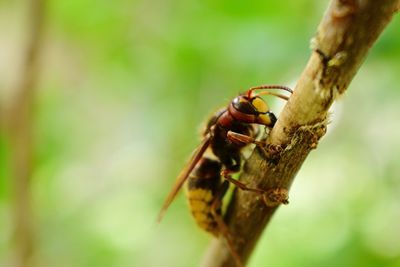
<point>123,91</point>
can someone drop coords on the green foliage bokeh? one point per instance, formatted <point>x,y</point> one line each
<point>123,91</point>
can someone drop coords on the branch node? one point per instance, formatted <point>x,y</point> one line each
<point>314,46</point>
<point>338,59</point>
<point>315,130</point>
<point>324,83</point>
<point>276,196</point>
<point>344,8</point>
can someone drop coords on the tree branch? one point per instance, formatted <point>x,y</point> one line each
<point>20,129</point>
<point>345,34</point>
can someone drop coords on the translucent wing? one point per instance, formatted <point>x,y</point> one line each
<point>184,175</point>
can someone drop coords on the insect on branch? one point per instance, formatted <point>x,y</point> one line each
<point>346,32</point>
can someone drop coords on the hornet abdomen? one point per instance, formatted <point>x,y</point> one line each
<point>202,186</point>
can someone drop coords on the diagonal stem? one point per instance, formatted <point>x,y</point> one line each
<point>347,31</point>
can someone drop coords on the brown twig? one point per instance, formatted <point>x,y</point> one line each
<point>347,31</point>
<point>20,129</point>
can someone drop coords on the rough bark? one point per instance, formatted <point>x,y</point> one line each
<point>347,31</point>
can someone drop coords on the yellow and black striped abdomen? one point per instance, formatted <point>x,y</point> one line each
<point>202,187</point>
